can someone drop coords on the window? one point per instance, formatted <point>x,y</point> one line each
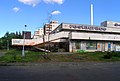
<point>116,43</point>
<point>91,45</point>
<point>77,45</point>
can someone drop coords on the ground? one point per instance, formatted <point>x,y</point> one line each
<point>61,71</point>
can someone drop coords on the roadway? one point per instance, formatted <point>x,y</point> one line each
<point>83,71</point>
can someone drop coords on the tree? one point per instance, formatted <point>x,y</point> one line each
<point>6,35</point>
<point>6,39</point>
<point>17,34</point>
<point>20,35</point>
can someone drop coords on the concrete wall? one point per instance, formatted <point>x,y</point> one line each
<point>46,38</point>
<point>95,36</point>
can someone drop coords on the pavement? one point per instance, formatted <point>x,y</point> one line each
<point>61,71</point>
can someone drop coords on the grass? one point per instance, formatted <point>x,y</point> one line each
<point>16,56</point>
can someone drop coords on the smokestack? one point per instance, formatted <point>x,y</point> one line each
<point>91,15</point>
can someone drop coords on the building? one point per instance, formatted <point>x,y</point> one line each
<point>27,34</point>
<point>49,27</point>
<point>90,38</point>
<point>38,33</point>
<point>76,37</point>
<point>110,24</point>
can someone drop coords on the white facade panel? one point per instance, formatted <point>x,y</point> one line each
<point>51,37</point>
<point>20,42</point>
<point>95,36</point>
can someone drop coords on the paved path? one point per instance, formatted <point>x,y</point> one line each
<point>83,71</point>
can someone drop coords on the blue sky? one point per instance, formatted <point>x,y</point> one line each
<point>14,14</point>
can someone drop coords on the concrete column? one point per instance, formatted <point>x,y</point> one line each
<point>70,46</point>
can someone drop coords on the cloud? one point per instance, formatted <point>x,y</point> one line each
<point>16,9</point>
<point>30,2</point>
<point>54,1</point>
<point>33,3</point>
<point>55,12</point>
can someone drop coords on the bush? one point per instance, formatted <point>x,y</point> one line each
<point>116,54</point>
<point>108,55</point>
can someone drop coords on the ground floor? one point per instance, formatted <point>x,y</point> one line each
<point>93,45</point>
<point>82,45</point>
<point>77,45</point>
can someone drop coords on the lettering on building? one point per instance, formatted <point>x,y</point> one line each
<point>87,27</point>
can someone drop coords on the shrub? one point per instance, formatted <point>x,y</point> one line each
<point>108,55</point>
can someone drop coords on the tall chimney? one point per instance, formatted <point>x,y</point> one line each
<point>91,15</point>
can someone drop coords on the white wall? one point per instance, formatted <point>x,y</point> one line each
<point>47,38</point>
<point>95,36</point>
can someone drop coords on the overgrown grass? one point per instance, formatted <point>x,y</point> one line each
<point>16,56</point>
<point>100,56</point>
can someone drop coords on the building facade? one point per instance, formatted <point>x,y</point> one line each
<point>38,33</point>
<point>90,38</point>
<point>49,27</point>
<point>27,34</point>
<point>76,37</point>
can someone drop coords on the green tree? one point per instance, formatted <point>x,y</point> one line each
<point>6,39</point>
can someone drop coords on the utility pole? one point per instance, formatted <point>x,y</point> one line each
<point>23,51</point>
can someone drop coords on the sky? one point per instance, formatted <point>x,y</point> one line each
<point>15,14</point>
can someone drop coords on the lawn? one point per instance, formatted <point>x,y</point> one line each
<point>14,56</point>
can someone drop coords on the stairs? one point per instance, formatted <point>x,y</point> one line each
<point>41,49</point>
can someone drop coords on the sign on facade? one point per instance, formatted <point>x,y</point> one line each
<point>87,27</point>
<point>109,45</point>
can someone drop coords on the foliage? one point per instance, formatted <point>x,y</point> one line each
<point>110,55</point>
<point>80,51</point>
<point>30,56</point>
<point>5,41</point>
<point>16,56</point>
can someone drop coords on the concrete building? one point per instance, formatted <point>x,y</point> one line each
<point>90,38</point>
<point>27,34</point>
<point>38,33</point>
<point>49,27</point>
<point>110,24</point>
<point>76,37</point>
